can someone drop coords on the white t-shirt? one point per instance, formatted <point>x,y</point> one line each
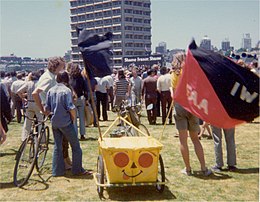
<point>46,81</point>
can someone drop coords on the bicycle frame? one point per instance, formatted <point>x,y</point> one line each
<point>125,121</point>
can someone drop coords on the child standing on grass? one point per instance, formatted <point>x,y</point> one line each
<point>59,102</point>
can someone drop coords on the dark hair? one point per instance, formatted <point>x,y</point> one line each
<point>73,70</point>
<point>13,74</point>
<point>2,74</point>
<point>163,70</point>
<point>154,70</point>
<point>40,72</point>
<point>121,74</point>
<point>150,71</point>
<point>255,64</point>
<point>19,76</point>
<point>63,77</point>
<point>54,62</point>
<point>35,76</point>
<point>23,74</point>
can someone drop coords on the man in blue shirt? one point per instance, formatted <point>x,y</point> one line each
<point>59,102</point>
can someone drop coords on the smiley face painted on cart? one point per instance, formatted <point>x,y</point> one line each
<point>135,165</point>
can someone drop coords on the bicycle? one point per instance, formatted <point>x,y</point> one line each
<point>32,152</point>
<point>129,114</point>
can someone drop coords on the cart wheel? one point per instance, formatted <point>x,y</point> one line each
<point>100,175</point>
<point>161,175</point>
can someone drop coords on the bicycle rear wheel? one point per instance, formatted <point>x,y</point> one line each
<point>25,160</point>
<point>42,149</point>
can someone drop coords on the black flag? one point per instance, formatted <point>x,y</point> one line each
<point>96,53</point>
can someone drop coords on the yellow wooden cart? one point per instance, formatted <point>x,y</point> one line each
<point>129,160</point>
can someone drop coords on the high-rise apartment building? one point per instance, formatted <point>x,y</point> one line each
<point>129,21</point>
<point>161,48</point>
<point>205,43</point>
<point>225,45</point>
<point>246,41</point>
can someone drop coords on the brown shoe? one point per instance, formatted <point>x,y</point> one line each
<point>67,166</point>
<point>68,161</point>
<point>86,172</point>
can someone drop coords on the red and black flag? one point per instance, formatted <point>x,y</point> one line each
<point>96,53</point>
<point>217,90</point>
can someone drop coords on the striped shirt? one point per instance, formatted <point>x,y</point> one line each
<point>121,87</point>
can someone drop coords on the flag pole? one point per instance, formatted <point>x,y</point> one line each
<point>172,103</point>
<point>92,97</point>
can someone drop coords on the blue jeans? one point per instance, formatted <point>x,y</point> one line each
<point>80,106</point>
<point>58,166</point>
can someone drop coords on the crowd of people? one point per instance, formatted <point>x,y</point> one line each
<point>63,90</point>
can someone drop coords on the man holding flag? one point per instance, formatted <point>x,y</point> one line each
<point>232,95</point>
<point>231,98</point>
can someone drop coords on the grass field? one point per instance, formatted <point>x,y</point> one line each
<point>242,185</point>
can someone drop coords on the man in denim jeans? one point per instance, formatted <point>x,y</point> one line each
<point>59,102</point>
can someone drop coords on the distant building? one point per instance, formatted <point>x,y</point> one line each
<point>225,45</point>
<point>206,43</point>
<point>161,48</point>
<point>68,56</point>
<point>129,21</point>
<point>246,41</point>
<point>14,63</point>
<point>10,58</point>
<point>169,56</point>
<point>257,44</point>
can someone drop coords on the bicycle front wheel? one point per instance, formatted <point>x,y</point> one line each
<point>142,128</point>
<point>25,160</point>
<point>42,149</point>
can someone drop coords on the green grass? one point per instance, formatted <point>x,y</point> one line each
<point>242,185</point>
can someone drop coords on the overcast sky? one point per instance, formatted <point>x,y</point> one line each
<point>41,28</point>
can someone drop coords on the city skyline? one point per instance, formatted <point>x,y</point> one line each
<point>42,28</point>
